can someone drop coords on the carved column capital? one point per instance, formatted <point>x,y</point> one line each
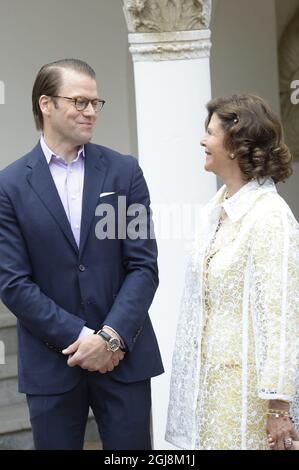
<point>168,29</point>
<point>160,16</point>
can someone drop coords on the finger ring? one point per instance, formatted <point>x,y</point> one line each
<point>288,442</point>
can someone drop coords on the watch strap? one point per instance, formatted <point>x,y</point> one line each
<point>108,337</point>
<point>104,335</point>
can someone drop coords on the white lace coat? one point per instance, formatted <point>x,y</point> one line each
<point>256,304</point>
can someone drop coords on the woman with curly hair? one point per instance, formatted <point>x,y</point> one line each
<point>235,362</point>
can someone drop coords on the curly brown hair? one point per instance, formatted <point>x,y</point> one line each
<point>254,135</point>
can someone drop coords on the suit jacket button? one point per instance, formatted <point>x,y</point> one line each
<point>82,268</point>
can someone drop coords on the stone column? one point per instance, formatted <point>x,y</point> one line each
<point>170,43</point>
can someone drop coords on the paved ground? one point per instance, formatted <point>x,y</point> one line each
<point>92,446</point>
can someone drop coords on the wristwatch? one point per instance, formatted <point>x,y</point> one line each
<point>113,343</point>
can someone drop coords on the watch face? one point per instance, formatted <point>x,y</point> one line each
<point>114,344</point>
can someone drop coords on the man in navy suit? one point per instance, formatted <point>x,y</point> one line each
<point>81,298</point>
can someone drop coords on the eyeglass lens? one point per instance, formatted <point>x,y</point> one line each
<point>82,103</point>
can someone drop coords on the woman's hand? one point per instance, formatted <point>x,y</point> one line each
<point>278,430</point>
<point>294,445</point>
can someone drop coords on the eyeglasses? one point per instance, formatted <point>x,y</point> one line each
<point>82,103</point>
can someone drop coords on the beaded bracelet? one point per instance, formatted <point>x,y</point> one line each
<point>278,413</point>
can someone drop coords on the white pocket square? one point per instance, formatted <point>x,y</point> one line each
<point>107,194</point>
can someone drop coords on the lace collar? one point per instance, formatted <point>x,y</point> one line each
<point>241,202</point>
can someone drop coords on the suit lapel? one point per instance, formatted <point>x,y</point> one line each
<point>41,180</point>
<point>95,172</point>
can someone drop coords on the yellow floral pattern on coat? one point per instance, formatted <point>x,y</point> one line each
<point>241,307</point>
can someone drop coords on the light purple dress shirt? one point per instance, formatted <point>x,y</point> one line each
<point>69,181</point>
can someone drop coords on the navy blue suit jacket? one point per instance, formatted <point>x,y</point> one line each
<point>55,289</point>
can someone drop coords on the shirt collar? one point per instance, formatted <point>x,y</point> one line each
<point>49,154</point>
<point>240,203</point>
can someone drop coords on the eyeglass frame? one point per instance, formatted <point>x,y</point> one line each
<point>75,99</point>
